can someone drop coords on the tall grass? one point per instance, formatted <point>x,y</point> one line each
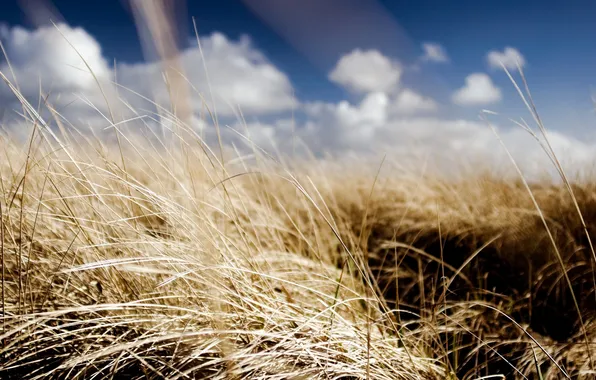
<point>251,269</point>
<point>166,258</point>
<point>156,272</point>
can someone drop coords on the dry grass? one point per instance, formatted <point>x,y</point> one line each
<point>147,258</point>
<point>184,268</point>
<point>166,271</point>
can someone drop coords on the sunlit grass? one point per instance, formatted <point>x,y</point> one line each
<point>160,256</point>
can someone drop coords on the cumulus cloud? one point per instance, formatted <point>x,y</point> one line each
<point>238,74</point>
<point>366,71</point>
<point>508,58</point>
<point>444,144</point>
<point>478,90</point>
<point>434,52</point>
<point>46,53</point>
<point>370,126</point>
<point>339,126</point>
<point>44,60</point>
<point>410,102</point>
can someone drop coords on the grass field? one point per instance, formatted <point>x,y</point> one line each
<point>153,258</point>
<point>146,257</point>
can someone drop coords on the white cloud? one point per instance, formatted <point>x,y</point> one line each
<point>46,53</point>
<point>478,90</point>
<point>371,126</point>
<point>239,75</point>
<point>508,58</point>
<point>366,71</point>
<point>44,60</point>
<point>338,126</point>
<point>446,145</point>
<point>434,52</point>
<point>410,102</point>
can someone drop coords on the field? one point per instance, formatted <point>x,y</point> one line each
<point>153,258</point>
<point>150,254</point>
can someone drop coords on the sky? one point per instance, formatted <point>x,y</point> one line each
<point>341,75</point>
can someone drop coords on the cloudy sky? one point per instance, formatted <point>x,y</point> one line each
<point>341,75</point>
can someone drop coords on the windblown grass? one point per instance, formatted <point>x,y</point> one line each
<point>158,258</point>
<point>169,271</point>
<point>183,267</point>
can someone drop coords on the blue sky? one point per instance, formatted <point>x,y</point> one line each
<point>305,41</point>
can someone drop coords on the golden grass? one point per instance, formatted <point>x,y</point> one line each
<point>147,258</point>
<point>184,268</point>
<point>164,273</point>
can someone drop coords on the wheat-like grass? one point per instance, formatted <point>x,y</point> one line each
<point>165,257</point>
